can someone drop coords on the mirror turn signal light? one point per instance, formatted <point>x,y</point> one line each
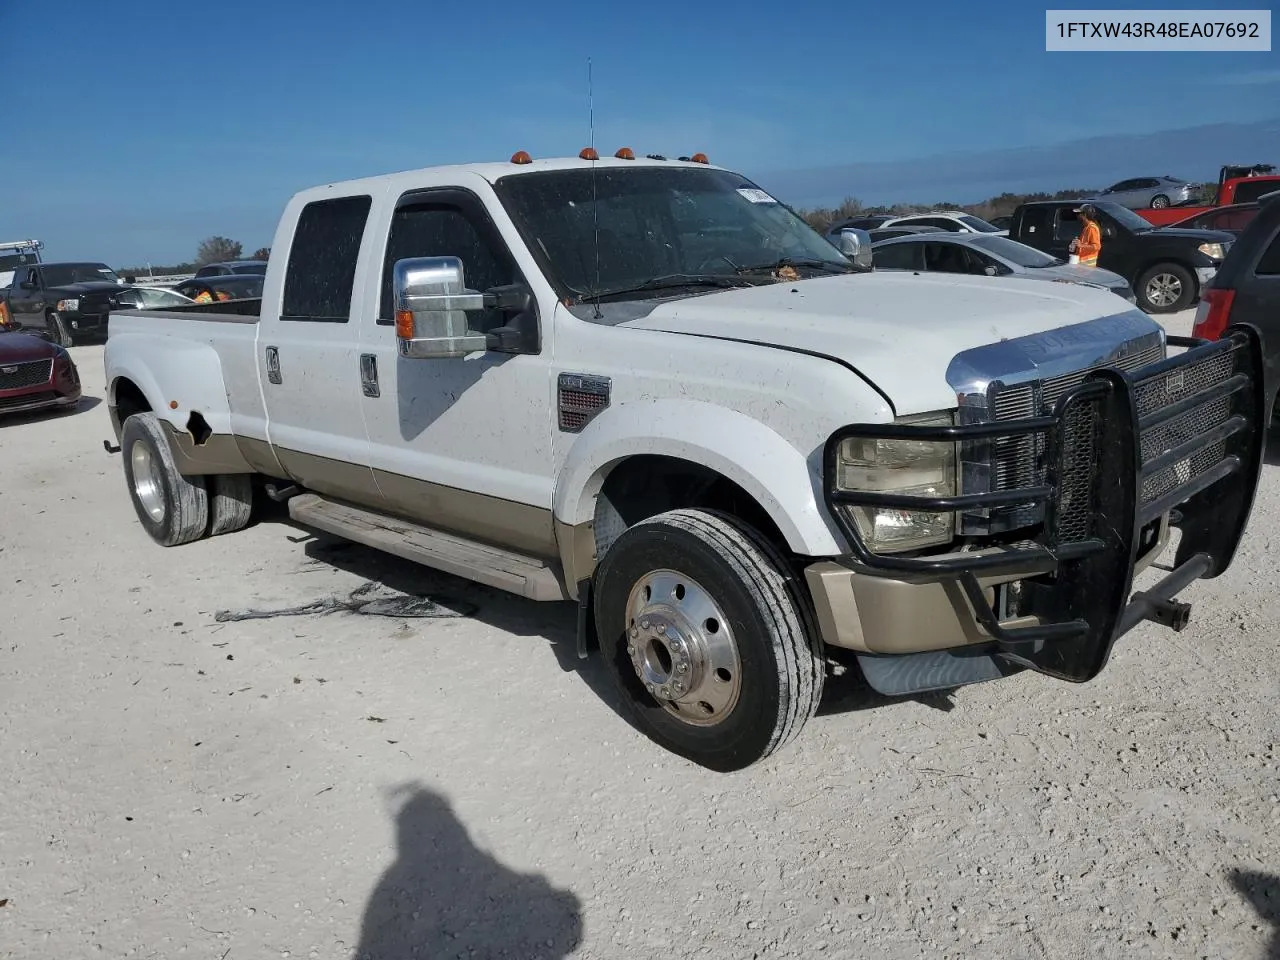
<point>404,322</point>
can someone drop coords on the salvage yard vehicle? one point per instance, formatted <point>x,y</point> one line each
<point>1166,268</point>
<point>648,387</point>
<point>1247,289</point>
<point>1236,184</point>
<point>981,254</point>
<point>36,375</point>
<point>64,300</point>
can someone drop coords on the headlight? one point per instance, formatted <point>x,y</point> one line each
<point>1213,250</point>
<point>69,306</point>
<point>924,468</point>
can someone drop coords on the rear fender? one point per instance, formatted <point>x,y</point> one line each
<point>179,378</point>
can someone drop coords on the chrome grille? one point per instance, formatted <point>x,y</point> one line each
<point>32,373</point>
<point>1020,461</point>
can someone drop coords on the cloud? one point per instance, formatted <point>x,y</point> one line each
<point>1249,78</point>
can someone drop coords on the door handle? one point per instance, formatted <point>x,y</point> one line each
<point>369,375</point>
<point>273,366</point>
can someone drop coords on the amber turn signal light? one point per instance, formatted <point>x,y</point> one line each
<point>588,153</point>
<point>404,324</point>
<point>521,156</point>
<point>625,153</point>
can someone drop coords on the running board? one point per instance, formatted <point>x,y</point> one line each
<point>492,566</point>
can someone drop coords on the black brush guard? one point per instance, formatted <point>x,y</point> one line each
<point>1183,437</point>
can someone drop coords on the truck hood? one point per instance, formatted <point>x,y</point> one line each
<point>87,287</point>
<point>1194,233</point>
<point>900,331</point>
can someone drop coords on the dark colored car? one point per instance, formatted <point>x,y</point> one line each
<point>1004,223</point>
<point>232,267</point>
<point>1246,289</point>
<point>1167,268</point>
<point>63,300</point>
<point>1232,218</point>
<point>209,289</point>
<point>35,374</point>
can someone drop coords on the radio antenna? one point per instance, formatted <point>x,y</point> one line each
<point>595,195</point>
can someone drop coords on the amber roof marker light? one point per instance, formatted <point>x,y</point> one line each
<point>521,157</point>
<point>699,158</point>
<point>588,153</point>
<point>625,153</point>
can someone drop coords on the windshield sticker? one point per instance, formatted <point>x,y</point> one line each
<point>756,195</point>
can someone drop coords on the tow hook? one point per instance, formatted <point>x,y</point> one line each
<point>1173,614</point>
<point>110,447</point>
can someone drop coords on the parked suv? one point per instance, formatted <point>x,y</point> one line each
<point>1247,290</point>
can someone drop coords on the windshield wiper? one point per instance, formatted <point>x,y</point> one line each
<point>829,266</point>
<point>668,282</point>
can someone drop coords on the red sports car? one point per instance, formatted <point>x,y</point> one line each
<point>35,374</point>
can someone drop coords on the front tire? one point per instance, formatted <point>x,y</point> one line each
<point>709,637</point>
<point>58,330</point>
<point>1165,288</point>
<point>1159,201</point>
<point>172,508</point>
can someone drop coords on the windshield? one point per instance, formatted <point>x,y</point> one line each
<point>1124,217</point>
<point>977,223</point>
<point>654,223</point>
<point>1015,252</point>
<point>64,274</point>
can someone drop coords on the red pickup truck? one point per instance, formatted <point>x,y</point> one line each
<point>1235,185</point>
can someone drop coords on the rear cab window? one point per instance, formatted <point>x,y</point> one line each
<point>321,270</point>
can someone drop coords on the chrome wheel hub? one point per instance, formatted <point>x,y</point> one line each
<point>682,648</point>
<point>146,481</point>
<point>1164,289</point>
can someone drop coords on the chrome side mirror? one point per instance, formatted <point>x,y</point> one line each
<point>856,245</point>
<point>431,303</point>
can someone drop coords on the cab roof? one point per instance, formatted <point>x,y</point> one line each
<point>494,171</point>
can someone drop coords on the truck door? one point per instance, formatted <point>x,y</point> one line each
<point>460,444</point>
<point>27,298</point>
<point>307,353</point>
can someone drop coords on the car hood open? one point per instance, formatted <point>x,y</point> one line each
<point>900,331</point>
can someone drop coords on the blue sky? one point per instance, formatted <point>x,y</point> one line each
<point>156,124</point>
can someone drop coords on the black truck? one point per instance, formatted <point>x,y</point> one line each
<point>1167,266</point>
<point>63,300</point>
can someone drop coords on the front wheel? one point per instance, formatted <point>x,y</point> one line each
<point>709,637</point>
<point>1159,201</point>
<point>172,508</point>
<point>57,329</point>
<point>1165,288</point>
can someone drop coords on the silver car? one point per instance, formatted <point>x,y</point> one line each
<point>982,254</point>
<point>1141,192</point>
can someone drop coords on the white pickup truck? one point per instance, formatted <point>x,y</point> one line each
<point>647,386</point>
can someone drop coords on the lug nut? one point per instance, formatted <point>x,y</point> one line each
<point>662,628</point>
<point>679,687</point>
<point>682,667</point>
<point>631,650</point>
<point>644,624</point>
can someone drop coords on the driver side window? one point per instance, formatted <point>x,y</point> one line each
<point>446,230</point>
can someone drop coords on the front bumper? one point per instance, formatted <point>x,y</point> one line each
<point>86,322</point>
<point>60,389</point>
<point>1177,443</point>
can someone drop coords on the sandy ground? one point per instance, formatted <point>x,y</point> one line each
<point>330,785</point>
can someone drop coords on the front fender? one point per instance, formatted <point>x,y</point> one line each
<point>169,370</point>
<point>785,481</point>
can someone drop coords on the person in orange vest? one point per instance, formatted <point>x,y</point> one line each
<point>1089,244</point>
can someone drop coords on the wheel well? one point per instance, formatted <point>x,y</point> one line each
<point>646,485</point>
<point>127,400</point>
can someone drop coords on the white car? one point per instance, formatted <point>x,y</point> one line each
<point>955,221</point>
<point>648,387</point>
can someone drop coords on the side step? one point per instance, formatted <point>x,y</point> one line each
<point>492,566</point>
